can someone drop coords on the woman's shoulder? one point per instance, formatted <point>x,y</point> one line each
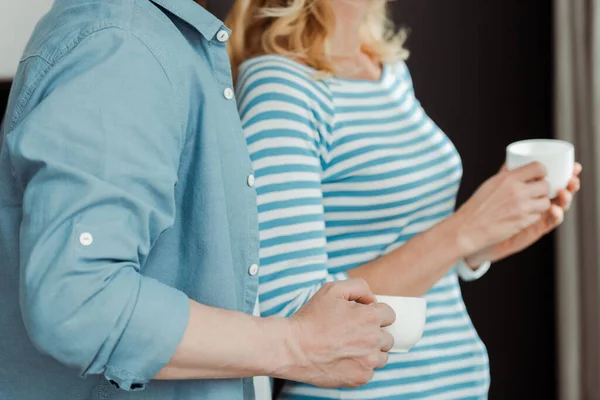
<point>275,73</point>
<point>272,63</point>
<point>276,69</point>
<point>401,72</point>
<point>400,69</point>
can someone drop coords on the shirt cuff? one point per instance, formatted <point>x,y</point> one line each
<point>469,274</point>
<point>154,332</point>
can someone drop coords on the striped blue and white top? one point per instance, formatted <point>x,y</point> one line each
<point>347,171</point>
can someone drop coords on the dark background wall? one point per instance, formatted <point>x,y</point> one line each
<point>483,71</point>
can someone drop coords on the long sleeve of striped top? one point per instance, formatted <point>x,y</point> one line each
<point>287,139</point>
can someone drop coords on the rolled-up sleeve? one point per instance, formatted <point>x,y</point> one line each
<point>97,160</point>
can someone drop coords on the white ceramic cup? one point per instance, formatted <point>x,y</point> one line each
<point>411,313</point>
<point>557,156</point>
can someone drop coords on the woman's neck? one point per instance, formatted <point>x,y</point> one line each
<point>350,15</point>
<point>349,60</point>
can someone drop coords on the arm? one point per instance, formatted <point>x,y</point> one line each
<point>338,321</point>
<point>97,161</point>
<point>284,148</point>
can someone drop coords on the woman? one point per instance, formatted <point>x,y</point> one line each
<point>355,180</point>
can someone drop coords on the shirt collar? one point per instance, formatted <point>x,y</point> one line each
<point>194,14</point>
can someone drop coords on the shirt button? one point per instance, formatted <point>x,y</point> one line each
<point>223,36</point>
<point>228,93</point>
<point>253,270</point>
<point>251,180</point>
<point>86,239</point>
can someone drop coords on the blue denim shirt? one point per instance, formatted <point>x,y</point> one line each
<point>124,190</point>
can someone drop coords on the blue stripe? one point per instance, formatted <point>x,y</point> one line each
<point>395,189</point>
<point>300,219</point>
<point>285,115</point>
<point>293,255</point>
<point>290,272</point>
<point>293,185</point>
<point>298,237</point>
<point>283,204</point>
<point>278,134</point>
<point>330,209</point>
<point>290,288</point>
<point>280,151</point>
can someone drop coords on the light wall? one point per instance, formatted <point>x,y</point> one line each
<point>17,20</point>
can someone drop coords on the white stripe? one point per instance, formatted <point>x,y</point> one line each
<point>284,177</point>
<point>290,212</point>
<point>270,161</point>
<point>272,123</point>
<point>286,230</point>
<point>274,268</point>
<point>291,247</point>
<point>291,280</point>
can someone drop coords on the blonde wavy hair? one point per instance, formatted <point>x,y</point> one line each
<point>300,29</point>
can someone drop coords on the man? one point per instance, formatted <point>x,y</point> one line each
<point>129,231</point>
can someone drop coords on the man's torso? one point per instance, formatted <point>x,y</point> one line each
<point>213,241</point>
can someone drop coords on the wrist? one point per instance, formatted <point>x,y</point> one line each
<point>461,237</point>
<point>284,351</point>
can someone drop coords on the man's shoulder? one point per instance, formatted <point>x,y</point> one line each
<point>77,35</point>
<point>70,22</point>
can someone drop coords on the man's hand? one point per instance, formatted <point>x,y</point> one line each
<point>337,340</point>
<point>549,221</point>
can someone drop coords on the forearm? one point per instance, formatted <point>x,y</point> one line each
<point>228,344</point>
<point>413,268</point>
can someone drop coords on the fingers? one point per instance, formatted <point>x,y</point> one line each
<point>386,314</point>
<point>539,188</point>
<point>382,359</point>
<point>540,205</point>
<point>533,171</point>
<point>564,199</point>
<point>355,290</point>
<point>577,168</point>
<point>387,341</point>
<point>574,184</point>
<point>531,219</point>
<point>554,217</point>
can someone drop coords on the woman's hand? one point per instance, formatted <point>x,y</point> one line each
<point>548,222</point>
<point>503,206</point>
